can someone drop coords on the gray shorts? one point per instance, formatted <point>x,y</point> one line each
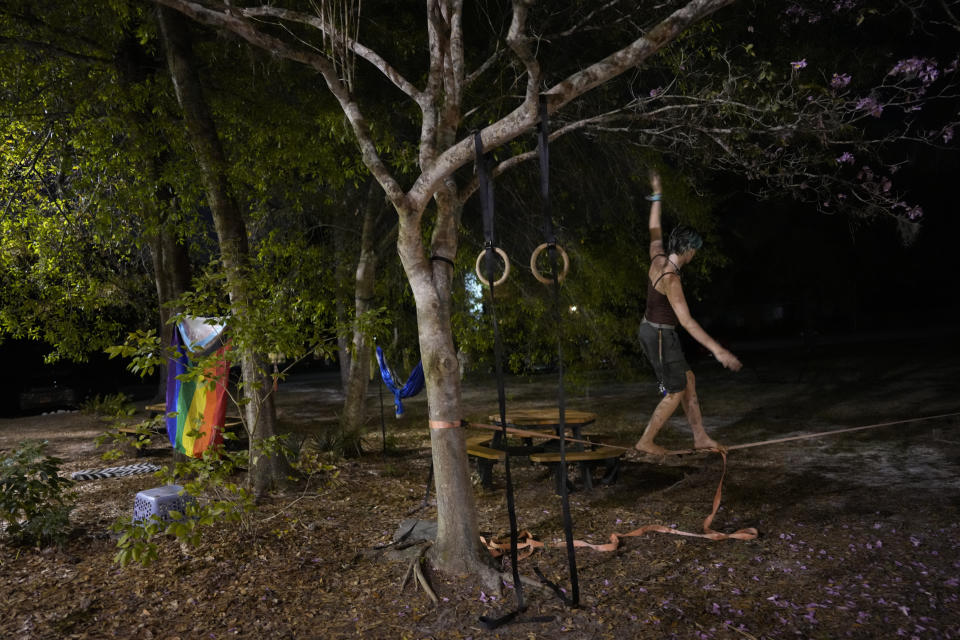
<point>662,348</point>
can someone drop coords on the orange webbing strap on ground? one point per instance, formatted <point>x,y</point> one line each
<point>525,539</point>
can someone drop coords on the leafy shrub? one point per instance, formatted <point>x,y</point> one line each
<point>34,505</point>
<point>119,441</point>
<point>116,405</point>
<point>216,499</point>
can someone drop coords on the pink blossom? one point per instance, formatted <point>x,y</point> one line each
<point>799,64</point>
<point>845,158</point>
<point>840,80</point>
<point>871,105</point>
<point>926,69</point>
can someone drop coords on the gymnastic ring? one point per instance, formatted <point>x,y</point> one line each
<point>533,263</point>
<point>506,267</point>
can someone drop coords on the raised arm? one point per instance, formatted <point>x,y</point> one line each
<point>656,230</point>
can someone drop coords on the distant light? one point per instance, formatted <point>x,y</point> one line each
<point>573,309</point>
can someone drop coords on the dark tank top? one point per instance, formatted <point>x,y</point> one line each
<point>658,306</point>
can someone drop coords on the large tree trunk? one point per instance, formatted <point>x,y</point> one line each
<point>259,409</point>
<point>457,548</point>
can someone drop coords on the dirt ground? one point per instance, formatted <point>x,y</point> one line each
<point>858,532</point>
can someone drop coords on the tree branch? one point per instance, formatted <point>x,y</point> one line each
<point>226,18</point>
<point>525,116</point>
<point>364,52</point>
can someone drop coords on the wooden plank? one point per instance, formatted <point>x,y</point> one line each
<point>601,453</point>
<point>478,441</point>
<point>486,452</point>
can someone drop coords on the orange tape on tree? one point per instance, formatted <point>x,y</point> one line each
<point>443,424</point>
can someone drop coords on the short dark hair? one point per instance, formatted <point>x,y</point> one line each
<point>682,239</point>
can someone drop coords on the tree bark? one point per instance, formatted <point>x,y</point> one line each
<point>172,274</point>
<point>457,548</point>
<point>266,470</point>
<point>354,406</point>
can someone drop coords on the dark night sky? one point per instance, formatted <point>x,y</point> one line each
<point>837,274</point>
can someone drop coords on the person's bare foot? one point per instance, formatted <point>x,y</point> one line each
<point>706,442</point>
<point>652,449</point>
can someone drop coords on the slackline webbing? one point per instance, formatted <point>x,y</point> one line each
<point>745,445</point>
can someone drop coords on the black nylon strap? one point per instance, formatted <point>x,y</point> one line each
<point>443,259</point>
<point>543,148</point>
<point>485,188</point>
<point>492,623</point>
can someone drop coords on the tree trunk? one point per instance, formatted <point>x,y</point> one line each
<point>171,269</point>
<point>354,406</point>
<point>341,249</point>
<point>457,548</point>
<point>266,470</point>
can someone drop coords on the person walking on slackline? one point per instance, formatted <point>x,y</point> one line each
<point>667,307</point>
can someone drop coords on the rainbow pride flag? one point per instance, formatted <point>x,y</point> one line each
<point>196,408</point>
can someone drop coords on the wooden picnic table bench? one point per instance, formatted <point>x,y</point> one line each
<point>486,457</point>
<point>489,448</point>
<point>588,459</point>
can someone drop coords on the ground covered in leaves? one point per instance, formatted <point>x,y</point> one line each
<point>858,532</point>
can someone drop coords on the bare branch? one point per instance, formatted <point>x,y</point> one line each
<point>516,160</point>
<point>359,49</point>
<point>519,42</point>
<point>226,18</point>
<point>525,116</point>
<point>489,62</point>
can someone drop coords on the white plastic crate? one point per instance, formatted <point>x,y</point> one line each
<point>159,502</point>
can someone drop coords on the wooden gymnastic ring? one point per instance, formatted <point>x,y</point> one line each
<point>533,263</point>
<point>506,267</point>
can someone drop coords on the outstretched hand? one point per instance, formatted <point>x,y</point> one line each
<point>727,359</point>
<point>655,180</point>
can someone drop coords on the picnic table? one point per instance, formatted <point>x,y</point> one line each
<point>490,448</point>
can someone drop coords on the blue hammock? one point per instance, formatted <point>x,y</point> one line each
<point>413,386</point>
